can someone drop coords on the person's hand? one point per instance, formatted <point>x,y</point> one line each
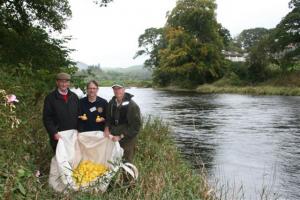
<point>106,132</point>
<point>56,136</point>
<point>116,138</point>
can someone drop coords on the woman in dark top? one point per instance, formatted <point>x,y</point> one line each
<point>93,110</point>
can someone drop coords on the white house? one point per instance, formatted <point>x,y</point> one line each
<point>235,56</point>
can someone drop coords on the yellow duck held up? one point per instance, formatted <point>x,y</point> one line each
<point>83,117</point>
<point>88,171</point>
<point>99,119</point>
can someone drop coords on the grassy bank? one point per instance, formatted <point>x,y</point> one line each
<point>231,89</point>
<point>24,150</point>
<point>128,83</point>
<point>282,84</point>
<point>288,85</point>
<point>255,90</point>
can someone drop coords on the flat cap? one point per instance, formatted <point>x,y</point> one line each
<point>118,84</point>
<point>63,76</point>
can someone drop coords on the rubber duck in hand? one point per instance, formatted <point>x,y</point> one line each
<point>83,117</point>
<point>99,119</point>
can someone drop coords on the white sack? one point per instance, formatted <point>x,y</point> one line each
<point>73,148</point>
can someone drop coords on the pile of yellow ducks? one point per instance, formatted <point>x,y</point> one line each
<point>88,171</point>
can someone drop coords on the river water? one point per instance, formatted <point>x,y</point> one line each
<point>244,141</point>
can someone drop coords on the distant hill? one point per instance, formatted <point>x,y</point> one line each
<point>137,72</point>
<point>131,76</point>
<point>81,65</point>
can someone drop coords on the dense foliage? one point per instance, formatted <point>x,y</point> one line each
<point>250,37</point>
<point>280,47</point>
<point>187,50</point>
<point>25,33</point>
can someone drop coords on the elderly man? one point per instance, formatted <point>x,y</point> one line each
<point>123,120</point>
<point>61,109</point>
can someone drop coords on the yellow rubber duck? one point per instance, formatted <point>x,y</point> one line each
<point>83,117</point>
<point>99,119</point>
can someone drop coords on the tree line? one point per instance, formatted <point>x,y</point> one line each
<point>187,51</point>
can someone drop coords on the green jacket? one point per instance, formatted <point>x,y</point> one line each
<point>124,119</point>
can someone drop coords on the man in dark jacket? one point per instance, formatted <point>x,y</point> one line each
<point>123,121</point>
<point>61,109</point>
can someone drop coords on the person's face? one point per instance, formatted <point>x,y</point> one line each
<point>92,90</point>
<point>119,92</point>
<point>63,85</point>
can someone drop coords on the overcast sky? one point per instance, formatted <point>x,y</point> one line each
<point>108,36</point>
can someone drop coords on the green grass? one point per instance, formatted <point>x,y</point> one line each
<point>128,83</point>
<point>255,90</point>
<point>290,79</point>
<point>283,84</point>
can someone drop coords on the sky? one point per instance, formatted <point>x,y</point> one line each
<point>109,35</point>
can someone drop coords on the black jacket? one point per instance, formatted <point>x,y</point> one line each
<point>59,115</point>
<point>92,110</point>
<point>124,119</point>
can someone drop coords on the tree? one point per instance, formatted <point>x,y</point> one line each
<point>198,18</point>
<point>103,2</point>
<point>225,35</point>
<point>250,37</point>
<point>34,48</point>
<point>286,38</point>
<point>193,52</point>
<point>151,41</point>
<point>25,28</point>
<point>187,60</point>
<point>294,4</point>
<point>259,59</point>
<point>187,51</point>
<point>23,14</point>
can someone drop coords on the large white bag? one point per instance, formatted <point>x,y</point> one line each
<point>72,148</point>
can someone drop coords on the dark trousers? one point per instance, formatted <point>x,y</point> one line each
<point>129,146</point>
<point>53,144</point>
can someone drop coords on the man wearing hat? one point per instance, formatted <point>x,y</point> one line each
<point>123,120</point>
<point>61,109</point>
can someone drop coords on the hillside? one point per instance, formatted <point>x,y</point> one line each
<point>81,65</point>
<point>137,72</point>
<point>131,76</point>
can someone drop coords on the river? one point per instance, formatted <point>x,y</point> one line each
<point>244,141</point>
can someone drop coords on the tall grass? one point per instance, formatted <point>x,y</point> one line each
<point>283,84</point>
<point>256,90</point>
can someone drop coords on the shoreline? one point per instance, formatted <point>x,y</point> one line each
<point>247,90</point>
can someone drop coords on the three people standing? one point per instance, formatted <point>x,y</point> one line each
<point>120,119</point>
